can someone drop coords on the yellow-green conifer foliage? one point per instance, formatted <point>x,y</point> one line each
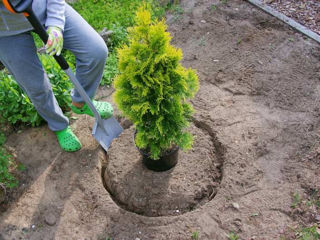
<point>152,87</point>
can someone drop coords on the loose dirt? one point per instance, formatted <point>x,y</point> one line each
<point>192,183</point>
<point>259,101</point>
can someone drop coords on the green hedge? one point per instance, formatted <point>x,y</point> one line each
<point>6,162</point>
<point>16,107</point>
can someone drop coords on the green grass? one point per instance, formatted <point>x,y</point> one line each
<point>306,230</point>
<point>116,16</point>
<point>296,200</point>
<point>308,233</point>
<point>6,163</point>
<point>195,235</point>
<point>233,236</point>
<point>213,7</point>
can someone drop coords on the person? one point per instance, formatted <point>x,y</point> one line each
<point>66,29</point>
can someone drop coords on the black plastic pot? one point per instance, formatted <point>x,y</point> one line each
<point>166,161</point>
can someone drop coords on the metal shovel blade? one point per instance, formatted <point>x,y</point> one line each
<point>105,130</point>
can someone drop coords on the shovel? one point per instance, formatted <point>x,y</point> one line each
<point>104,130</point>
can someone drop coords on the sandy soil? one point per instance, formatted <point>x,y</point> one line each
<point>259,101</point>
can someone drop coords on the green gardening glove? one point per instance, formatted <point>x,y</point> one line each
<point>55,41</point>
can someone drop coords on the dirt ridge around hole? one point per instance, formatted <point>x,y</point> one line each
<point>190,184</point>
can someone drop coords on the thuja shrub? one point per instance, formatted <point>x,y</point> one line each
<point>152,87</point>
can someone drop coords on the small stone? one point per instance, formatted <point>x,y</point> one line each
<point>235,205</point>
<point>203,21</point>
<point>137,239</point>
<point>317,218</point>
<point>33,226</point>
<point>50,219</point>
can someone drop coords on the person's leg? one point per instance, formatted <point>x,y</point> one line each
<point>91,52</point>
<point>19,54</point>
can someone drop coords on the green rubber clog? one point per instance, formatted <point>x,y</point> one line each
<point>104,109</point>
<point>67,140</point>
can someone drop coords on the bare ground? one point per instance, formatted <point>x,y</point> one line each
<point>259,100</point>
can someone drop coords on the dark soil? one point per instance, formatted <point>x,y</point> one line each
<point>258,105</point>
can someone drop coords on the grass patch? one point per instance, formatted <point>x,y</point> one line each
<point>116,16</point>
<point>303,206</point>
<point>195,235</point>
<point>296,200</point>
<point>309,233</point>
<point>6,166</point>
<point>233,236</point>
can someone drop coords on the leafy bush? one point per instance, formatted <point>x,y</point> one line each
<point>6,178</point>
<point>16,107</point>
<point>152,87</point>
<point>60,82</point>
<point>111,69</point>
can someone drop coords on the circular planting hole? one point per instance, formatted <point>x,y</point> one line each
<point>190,184</point>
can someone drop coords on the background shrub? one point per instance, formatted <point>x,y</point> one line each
<point>6,162</point>
<point>16,107</point>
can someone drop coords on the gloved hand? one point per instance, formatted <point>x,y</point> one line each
<point>55,41</point>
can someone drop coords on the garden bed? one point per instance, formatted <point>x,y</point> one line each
<point>257,109</point>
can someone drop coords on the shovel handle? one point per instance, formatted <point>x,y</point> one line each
<point>40,30</point>
<point>25,7</point>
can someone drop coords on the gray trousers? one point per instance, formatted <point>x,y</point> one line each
<point>19,54</point>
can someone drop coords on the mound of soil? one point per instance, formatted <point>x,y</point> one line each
<point>191,183</point>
